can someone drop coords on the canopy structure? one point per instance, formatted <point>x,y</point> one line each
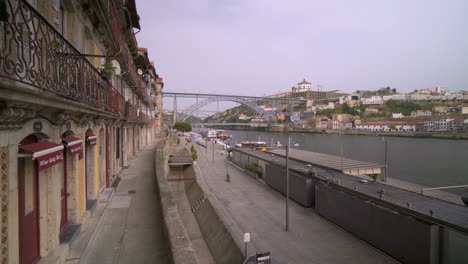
<point>92,139</point>
<point>47,153</point>
<point>74,144</point>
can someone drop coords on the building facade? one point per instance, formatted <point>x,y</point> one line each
<point>76,106</point>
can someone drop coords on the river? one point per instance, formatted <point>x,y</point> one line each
<point>426,161</point>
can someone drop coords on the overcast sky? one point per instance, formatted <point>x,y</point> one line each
<point>257,47</point>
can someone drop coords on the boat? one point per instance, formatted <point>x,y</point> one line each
<point>253,144</point>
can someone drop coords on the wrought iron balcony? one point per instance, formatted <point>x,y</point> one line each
<point>117,31</point>
<point>34,53</point>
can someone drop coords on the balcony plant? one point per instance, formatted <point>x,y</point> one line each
<point>107,71</point>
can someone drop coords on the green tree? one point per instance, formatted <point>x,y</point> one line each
<point>392,127</point>
<point>183,127</point>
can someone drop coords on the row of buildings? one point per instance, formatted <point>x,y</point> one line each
<point>350,122</point>
<point>78,100</point>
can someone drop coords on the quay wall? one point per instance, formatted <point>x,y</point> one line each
<point>181,248</point>
<point>220,242</point>
<point>291,129</point>
<point>218,238</point>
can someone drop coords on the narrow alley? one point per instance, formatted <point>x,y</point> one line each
<point>129,229</point>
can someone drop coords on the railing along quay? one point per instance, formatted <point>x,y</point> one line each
<point>34,53</point>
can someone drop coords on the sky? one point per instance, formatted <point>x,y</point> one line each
<point>258,47</point>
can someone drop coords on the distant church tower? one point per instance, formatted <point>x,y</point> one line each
<point>303,86</point>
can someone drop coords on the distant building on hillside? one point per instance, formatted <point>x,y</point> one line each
<point>421,113</point>
<point>444,125</point>
<point>373,100</point>
<point>464,109</point>
<point>244,117</point>
<point>303,86</point>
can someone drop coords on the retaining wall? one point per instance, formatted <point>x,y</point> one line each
<point>181,248</point>
<point>222,246</point>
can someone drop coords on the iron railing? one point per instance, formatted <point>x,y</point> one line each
<point>33,52</point>
<point>117,31</point>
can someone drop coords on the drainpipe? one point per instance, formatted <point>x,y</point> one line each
<point>122,157</point>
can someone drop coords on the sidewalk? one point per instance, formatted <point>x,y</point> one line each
<point>130,229</point>
<point>258,209</point>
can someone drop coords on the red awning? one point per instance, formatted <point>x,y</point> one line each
<point>92,139</point>
<point>47,153</point>
<point>74,144</point>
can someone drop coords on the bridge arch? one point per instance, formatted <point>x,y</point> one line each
<point>251,104</point>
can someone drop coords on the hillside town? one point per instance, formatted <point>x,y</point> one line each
<point>426,110</point>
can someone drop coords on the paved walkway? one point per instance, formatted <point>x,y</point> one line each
<point>130,229</point>
<point>258,209</point>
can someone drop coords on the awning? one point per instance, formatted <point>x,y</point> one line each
<point>74,144</point>
<point>92,139</point>
<point>47,153</point>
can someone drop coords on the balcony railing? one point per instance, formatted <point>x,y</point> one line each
<point>33,52</point>
<point>117,31</point>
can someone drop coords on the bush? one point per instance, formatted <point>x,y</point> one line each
<point>178,141</point>
<point>194,155</point>
<point>192,149</point>
<point>253,167</point>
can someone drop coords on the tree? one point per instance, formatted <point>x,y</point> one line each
<point>392,127</point>
<point>183,127</point>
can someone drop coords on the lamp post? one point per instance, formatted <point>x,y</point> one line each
<point>287,183</point>
<point>227,174</point>
<point>386,163</point>
<point>246,240</point>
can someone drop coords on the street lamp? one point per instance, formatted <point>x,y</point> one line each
<point>287,183</point>
<point>227,174</point>
<point>386,163</point>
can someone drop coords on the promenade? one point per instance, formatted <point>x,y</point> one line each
<point>127,228</point>
<point>256,208</point>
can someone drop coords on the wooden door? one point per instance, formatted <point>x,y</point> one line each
<point>64,194</point>
<point>28,191</point>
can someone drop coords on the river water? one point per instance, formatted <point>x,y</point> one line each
<point>426,161</point>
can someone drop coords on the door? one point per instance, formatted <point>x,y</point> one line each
<point>28,191</point>
<point>64,194</point>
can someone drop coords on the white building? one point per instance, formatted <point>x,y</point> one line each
<point>408,127</point>
<point>397,115</point>
<point>372,100</point>
<point>437,125</point>
<point>302,87</point>
<point>421,113</point>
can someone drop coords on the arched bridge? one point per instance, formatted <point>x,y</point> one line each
<point>251,104</point>
<point>249,101</point>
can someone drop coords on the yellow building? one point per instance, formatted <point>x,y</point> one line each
<point>73,113</point>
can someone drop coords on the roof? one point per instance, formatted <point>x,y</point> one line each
<point>135,18</point>
<point>304,82</point>
<point>444,212</point>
